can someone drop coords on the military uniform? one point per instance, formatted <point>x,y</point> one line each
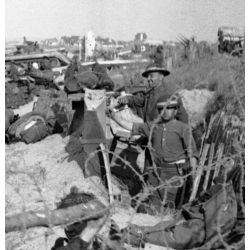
<point>171,152</point>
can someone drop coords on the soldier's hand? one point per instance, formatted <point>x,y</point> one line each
<point>115,241</point>
<point>110,112</point>
<point>93,227</point>
<point>123,100</point>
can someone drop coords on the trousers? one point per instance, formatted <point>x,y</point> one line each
<point>176,194</point>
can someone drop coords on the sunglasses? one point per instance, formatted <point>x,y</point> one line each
<point>161,108</point>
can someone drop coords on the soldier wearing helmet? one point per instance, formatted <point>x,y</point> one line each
<point>145,102</point>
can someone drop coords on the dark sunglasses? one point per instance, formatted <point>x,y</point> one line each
<point>160,109</point>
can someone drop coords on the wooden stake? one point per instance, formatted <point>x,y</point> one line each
<point>219,155</point>
<point>108,173</point>
<point>210,126</point>
<point>210,161</point>
<point>206,135</point>
<point>199,172</point>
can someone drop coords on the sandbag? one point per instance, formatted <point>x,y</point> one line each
<point>54,104</point>
<point>35,133</point>
<point>45,98</point>
<point>11,89</point>
<point>106,83</point>
<point>98,70</point>
<point>71,85</point>
<point>87,79</point>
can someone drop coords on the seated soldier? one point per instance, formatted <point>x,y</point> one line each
<point>173,148</point>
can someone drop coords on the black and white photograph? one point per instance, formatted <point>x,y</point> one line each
<point>124,124</point>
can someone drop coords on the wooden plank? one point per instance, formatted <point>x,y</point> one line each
<point>206,135</point>
<point>219,155</point>
<point>199,172</point>
<point>108,173</point>
<point>210,161</point>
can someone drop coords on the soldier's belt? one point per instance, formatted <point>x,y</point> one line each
<point>177,162</point>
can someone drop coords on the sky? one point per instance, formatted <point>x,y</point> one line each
<point>121,19</point>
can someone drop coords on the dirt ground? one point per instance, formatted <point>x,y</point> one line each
<point>38,175</point>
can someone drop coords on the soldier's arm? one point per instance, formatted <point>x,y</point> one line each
<point>133,101</point>
<point>138,100</point>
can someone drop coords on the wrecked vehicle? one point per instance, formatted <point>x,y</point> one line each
<point>231,40</point>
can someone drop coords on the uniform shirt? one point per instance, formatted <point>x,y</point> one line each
<point>145,104</point>
<point>170,140</point>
